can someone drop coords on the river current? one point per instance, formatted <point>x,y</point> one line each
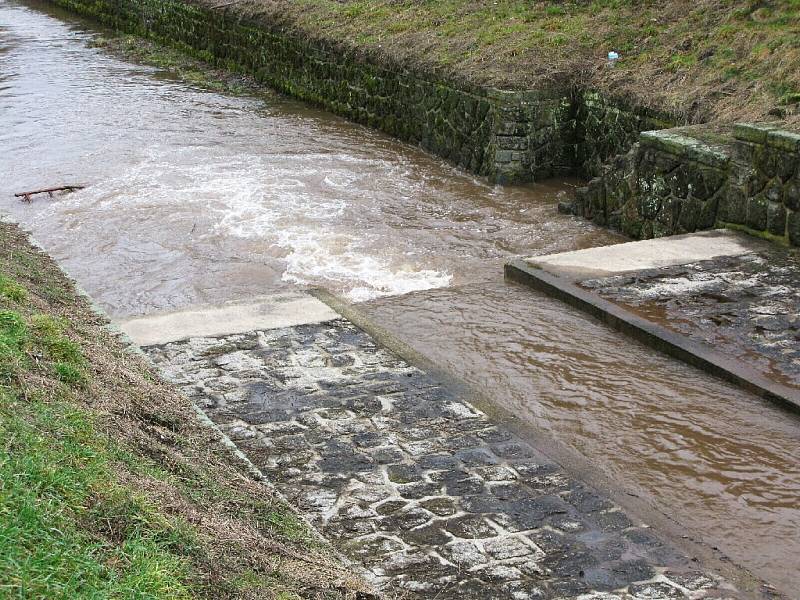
<point>195,197</point>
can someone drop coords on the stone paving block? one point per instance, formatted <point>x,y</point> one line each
<point>413,482</point>
<point>745,306</point>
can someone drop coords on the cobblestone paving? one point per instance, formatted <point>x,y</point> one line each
<point>746,306</point>
<point>414,483</point>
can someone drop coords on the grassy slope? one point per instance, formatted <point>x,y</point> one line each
<point>109,487</point>
<point>725,59</point>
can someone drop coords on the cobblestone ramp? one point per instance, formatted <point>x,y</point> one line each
<point>414,483</point>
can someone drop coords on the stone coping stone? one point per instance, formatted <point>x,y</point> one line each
<point>753,132</point>
<point>784,140</point>
<point>770,134</point>
<point>681,144</point>
<point>270,312</point>
<point>645,254</point>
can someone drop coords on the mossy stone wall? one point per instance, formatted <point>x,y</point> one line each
<point>608,127</point>
<point>764,192</point>
<point>509,136</point>
<point>684,180</point>
<point>670,181</point>
<point>482,130</point>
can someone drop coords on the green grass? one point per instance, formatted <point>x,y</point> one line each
<point>12,290</point>
<point>67,528</point>
<point>14,337</point>
<point>109,486</point>
<point>42,340</point>
<point>735,56</point>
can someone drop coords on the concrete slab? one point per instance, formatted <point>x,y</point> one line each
<point>579,277</point>
<point>645,254</point>
<point>271,312</point>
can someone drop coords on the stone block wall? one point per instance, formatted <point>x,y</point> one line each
<point>764,192</point>
<point>671,181</point>
<point>607,127</point>
<point>507,136</point>
<point>687,179</point>
<point>534,136</point>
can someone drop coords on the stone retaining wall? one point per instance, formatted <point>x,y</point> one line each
<point>764,193</point>
<point>608,127</point>
<point>671,182</point>
<point>684,180</point>
<point>509,136</point>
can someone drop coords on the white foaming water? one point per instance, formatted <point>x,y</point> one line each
<point>367,277</point>
<point>314,231</point>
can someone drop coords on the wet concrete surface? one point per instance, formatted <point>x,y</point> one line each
<point>410,480</point>
<point>722,462</point>
<point>632,256</point>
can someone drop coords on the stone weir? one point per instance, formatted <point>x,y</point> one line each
<point>510,136</point>
<point>398,466</point>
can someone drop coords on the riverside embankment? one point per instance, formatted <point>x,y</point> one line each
<point>201,197</point>
<point>111,485</point>
<point>357,59</point>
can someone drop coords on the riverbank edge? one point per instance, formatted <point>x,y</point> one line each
<point>213,526</point>
<point>638,506</point>
<point>509,136</point>
<point>652,334</point>
<point>744,177</point>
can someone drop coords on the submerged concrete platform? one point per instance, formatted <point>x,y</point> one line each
<point>411,480</point>
<point>269,312</point>
<point>645,254</point>
<point>706,298</point>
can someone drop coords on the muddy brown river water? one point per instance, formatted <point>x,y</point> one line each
<point>196,197</point>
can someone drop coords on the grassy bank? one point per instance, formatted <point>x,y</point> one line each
<point>704,59</point>
<point>109,485</point>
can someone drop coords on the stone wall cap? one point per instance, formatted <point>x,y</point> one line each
<point>685,146</point>
<point>784,140</point>
<point>753,132</point>
<point>525,95</point>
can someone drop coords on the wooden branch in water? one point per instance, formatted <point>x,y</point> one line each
<point>224,4</point>
<point>26,196</point>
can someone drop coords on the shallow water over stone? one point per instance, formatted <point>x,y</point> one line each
<point>196,197</point>
<point>721,461</point>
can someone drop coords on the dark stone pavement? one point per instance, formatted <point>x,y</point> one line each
<point>414,483</point>
<point>747,306</point>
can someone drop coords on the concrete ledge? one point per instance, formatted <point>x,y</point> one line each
<point>645,254</point>
<point>655,336</point>
<point>272,312</point>
<point>685,146</point>
<point>753,132</point>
